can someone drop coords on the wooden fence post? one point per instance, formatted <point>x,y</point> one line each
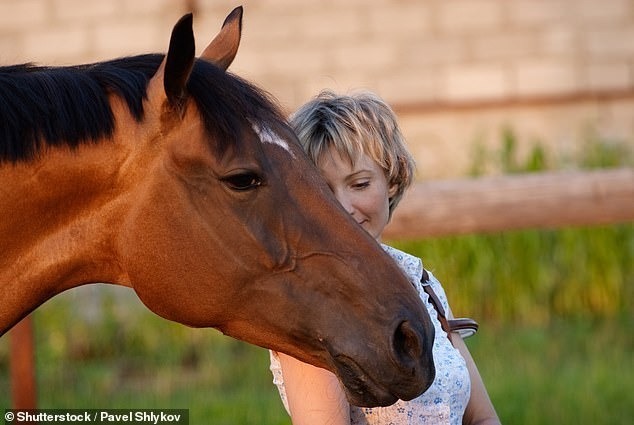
<point>22,365</point>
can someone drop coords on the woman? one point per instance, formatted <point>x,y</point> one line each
<point>356,143</point>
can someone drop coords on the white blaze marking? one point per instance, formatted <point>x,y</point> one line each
<point>267,135</point>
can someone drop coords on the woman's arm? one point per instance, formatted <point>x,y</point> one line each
<point>314,394</point>
<point>479,410</point>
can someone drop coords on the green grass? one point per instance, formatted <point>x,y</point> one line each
<point>569,372</point>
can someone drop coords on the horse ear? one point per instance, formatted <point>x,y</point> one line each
<point>223,48</point>
<point>179,61</point>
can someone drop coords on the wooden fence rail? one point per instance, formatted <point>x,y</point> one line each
<point>443,208</point>
<point>537,200</point>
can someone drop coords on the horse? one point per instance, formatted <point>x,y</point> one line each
<point>167,174</point>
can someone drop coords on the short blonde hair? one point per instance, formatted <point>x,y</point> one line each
<point>354,124</point>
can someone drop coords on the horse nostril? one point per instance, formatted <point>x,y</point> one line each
<point>407,345</point>
<point>412,353</point>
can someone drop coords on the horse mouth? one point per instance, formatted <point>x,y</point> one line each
<point>361,390</point>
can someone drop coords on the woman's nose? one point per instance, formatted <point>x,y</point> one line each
<point>345,202</point>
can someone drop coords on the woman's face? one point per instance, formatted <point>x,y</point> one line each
<point>361,188</point>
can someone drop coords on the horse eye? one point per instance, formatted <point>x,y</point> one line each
<point>243,181</point>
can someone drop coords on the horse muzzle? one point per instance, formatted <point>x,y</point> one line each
<point>412,370</point>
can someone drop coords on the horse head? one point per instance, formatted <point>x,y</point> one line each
<point>202,200</point>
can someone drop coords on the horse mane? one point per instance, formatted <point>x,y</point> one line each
<point>68,106</point>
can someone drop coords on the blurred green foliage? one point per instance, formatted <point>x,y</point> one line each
<point>535,276</point>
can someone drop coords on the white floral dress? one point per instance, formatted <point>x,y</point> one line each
<point>445,400</point>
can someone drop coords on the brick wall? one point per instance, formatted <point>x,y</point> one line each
<point>457,71</point>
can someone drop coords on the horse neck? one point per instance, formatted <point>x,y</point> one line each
<point>58,215</point>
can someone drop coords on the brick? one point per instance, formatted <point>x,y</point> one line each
<point>408,20</point>
<point>439,143</point>
<point>80,11</point>
<point>537,13</point>
<point>56,46</point>
<point>608,11</point>
<point>409,87</point>
<point>11,50</point>
<point>22,15</point>
<point>124,37</point>
<point>328,24</point>
<point>476,82</point>
<point>543,77</point>
<point>557,40</point>
<point>608,76</point>
<point>513,45</point>
<point>610,42</point>
<point>222,5</point>
<point>154,7</point>
<point>374,55</point>
<point>437,51</point>
<point>469,16</point>
<point>289,60</point>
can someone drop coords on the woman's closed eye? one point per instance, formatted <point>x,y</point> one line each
<point>360,185</point>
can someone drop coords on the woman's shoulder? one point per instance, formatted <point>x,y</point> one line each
<point>413,266</point>
<point>410,264</point>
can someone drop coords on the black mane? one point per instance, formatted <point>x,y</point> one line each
<point>55,106</point>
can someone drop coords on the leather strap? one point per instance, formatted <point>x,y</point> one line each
<point>464,326</point>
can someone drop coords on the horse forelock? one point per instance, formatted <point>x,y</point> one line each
<point>68,106</point>
<point>228,103</point>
